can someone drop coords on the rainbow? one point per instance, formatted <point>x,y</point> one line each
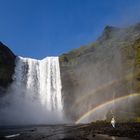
<point>104,104</point>
<point>111,83</point>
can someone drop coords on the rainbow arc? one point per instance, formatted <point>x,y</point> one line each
<point>84,116</point>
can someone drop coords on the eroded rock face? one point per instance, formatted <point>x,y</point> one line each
<point>7,65</point>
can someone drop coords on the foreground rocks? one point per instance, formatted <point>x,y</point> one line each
<point>96,131</point>
<point>131,130</point>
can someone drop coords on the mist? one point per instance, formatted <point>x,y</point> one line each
<point>104,72</point>
<point>27,99</point>
<point>16,109</point>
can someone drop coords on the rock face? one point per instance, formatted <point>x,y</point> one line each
<point>102,71</point>
<point>7,64</point>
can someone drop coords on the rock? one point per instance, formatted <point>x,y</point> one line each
<point>108,33</point>
<point>91,74</point>
<point>7,65</point>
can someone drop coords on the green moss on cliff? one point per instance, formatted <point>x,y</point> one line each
<point>115,54</point>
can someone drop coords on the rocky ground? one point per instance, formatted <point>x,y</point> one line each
<point>95,131</point>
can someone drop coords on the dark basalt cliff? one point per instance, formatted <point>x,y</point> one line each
<point>102,71</point>
<point>7,64</point>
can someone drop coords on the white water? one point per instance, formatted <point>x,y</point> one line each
<point>36,96</point>
<point>42,78</point>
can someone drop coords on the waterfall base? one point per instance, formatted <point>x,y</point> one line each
<point>35,95</point>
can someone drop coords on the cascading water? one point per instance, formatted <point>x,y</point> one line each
<point>36,92</point>
<point>42,78</point>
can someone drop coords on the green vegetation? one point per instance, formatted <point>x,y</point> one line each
<point>76,53</point>
<point>114,46</point>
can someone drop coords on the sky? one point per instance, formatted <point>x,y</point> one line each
<point>41,28</point>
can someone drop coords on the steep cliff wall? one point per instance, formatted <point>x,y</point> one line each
<point>101,71</point>
<point>7,64</point>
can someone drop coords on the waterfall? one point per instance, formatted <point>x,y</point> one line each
<point>41,77</point>
<point>36,92</point>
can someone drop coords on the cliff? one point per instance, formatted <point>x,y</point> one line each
<point>7,64</point>
<point>102,71</point>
